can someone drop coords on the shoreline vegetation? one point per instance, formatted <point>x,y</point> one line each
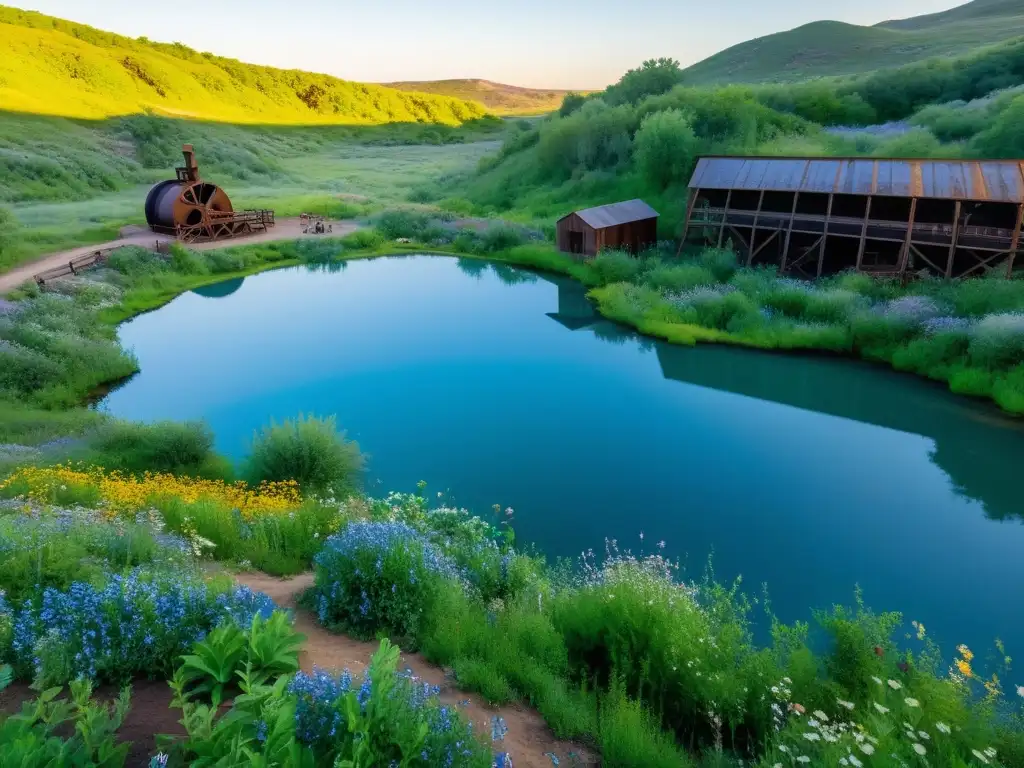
<point>120,541</point>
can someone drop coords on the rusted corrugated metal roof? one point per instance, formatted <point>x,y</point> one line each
<point>617,213</point>
<point>989,180</point>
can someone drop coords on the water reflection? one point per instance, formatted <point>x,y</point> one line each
<point>978,447</point>
<point>219,290</point>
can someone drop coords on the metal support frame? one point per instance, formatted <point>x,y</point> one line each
<point>1016,241</point>
<point>863,235</point>
<point>753,229</point>
<point>690,202</point>
<point>725,215</point>
<point>905,251</point>
<point>824,235</point>
<point>789,234</point>
<point>952,243</point>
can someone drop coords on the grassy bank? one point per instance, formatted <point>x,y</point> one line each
<point>622,652</point>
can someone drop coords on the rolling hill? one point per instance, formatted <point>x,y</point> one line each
<point>49,66</point>
<point>831,48</point>
<point>498,98</point>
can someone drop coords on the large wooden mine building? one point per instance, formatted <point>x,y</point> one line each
<point>817,216</point>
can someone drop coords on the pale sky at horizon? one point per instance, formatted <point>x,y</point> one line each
<point>583,44</point>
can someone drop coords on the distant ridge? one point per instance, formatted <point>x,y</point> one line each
<point>831,48</point>
<point>498,98</point>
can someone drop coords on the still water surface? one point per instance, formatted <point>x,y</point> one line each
<point>498,386</point>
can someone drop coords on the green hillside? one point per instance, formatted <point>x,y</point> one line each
<point>499,98</point>
<point>50,66</point>
<point>830,48</point>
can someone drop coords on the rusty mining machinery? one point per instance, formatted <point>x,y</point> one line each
<point>194,210</point>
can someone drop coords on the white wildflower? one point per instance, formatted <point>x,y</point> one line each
<point>894,685</point>
<point>880,708</point>
<point>911,702</point>
<point>813,723</point>
<point>1020,691</point>
<point>919,748</point>
<point>787,681</point>
<point>980,756</point>
<point>990,752</point>
<point>820,715</point>
<point>942,728</point>
<point>924,735</point>
<point>877,679</point>
<point>812,736</point>
<point>867,749</point>
<point>846,704</point>
<point>855,762</point>
<point>803,759</point>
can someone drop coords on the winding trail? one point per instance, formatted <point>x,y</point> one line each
<point>284,229</point>
<point>528,738</point>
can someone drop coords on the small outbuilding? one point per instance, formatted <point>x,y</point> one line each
<point>631,225</point>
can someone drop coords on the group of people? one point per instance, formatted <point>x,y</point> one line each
<point>318,227</point>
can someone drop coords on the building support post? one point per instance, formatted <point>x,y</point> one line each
<point>725,215</point>
<point>824,235</point>
<point>952,243</point>
<point>789,234</point>
<point>863,235</point>
<point>1015,243</point>
<point>691,200</point>
<point>753,229</point>
<point>905,253</point>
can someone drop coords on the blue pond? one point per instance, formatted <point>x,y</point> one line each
<point>498,386</point>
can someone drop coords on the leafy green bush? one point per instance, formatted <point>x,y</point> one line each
<point>612,266</point>
<point>184,448</point>
<point>375,577</point>
<point>693,661</point>
<point>309,450</point>
<point>665,148</point>
<point>997,341</point>
<point>265,650</point>
<point>52,731</point>
<point>400,223</point>
<point>678,277</point>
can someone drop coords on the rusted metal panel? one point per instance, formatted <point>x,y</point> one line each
<point>616,213</point>
<point>981,181</point>
<point>821,176</point>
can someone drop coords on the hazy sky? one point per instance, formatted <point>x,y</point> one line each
<point>540,43</point>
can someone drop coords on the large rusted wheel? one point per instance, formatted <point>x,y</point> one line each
<point>174,204</point>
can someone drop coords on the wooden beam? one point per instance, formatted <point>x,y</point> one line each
<point>920,254</point>
<point>725,215</point>
<point>905,252</point>
<point>686,224</point>
<point>982,263</point>
<point>952,243</point>
<point>1015,243</point>
<point>739,236</point>
<point>753,229</point>
<point>789,234</point>
<point>824,235</point>
<point>761,247</point>
<point>863,235</point>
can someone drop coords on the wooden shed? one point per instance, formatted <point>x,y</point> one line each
<point>631,225</point>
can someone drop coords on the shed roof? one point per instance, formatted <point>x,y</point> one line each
<point>617,213</point>
<point>979,180</point>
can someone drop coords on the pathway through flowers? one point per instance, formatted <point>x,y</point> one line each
<point>528,740</point>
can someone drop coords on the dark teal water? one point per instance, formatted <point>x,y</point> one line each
<point>501,387</point>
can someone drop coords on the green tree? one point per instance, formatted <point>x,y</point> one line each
<point>665,147</point>
<point>653,77</point>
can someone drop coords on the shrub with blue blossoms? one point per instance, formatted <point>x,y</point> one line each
<point>378,576</point>
<point>390,709</point>
<point>137,624</point>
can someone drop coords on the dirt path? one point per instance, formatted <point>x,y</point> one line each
<point>529,741</point>
<point>284,229</point>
